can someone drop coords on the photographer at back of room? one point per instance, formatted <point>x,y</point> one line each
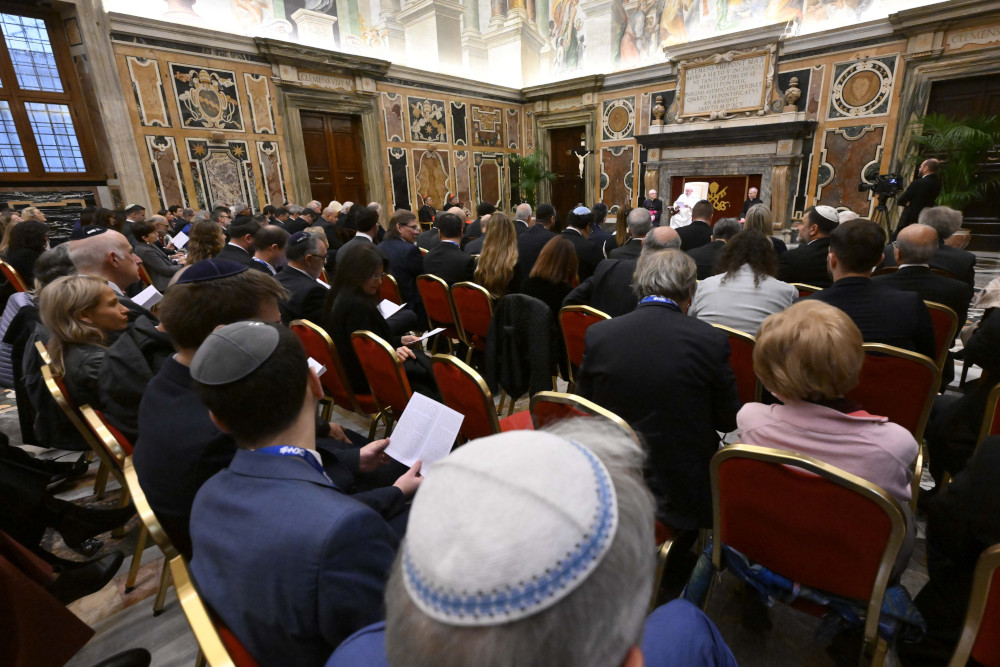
<point>923,191</point>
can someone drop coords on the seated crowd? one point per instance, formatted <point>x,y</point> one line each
<point>313,547</point>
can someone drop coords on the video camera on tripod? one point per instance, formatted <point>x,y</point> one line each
<point>886,186</point>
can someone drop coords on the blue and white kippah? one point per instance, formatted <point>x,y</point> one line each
<point>495,535</point>
<point>581,210</point>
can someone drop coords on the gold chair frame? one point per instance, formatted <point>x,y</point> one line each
<point>395,287</point>
<point>388,415</point>
<point>583,405</point>
<point>451,304</point>
<point>943,354</point>
<point>594,312</point>
<point>43,352</point>
<point>151,527</point>
<point>13,277</point>
<point>212,650</point>
<point>991,409</point>
<point>463,334</point>
<point>890,351</point>
<point>873,647</point>
<point>988,562</point>
<point>144,276</point>
<point>758,391</point>
<point>809,289</point>
<point>465,369</point>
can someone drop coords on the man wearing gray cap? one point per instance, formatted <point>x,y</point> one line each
<point>532,548</point>
<point>290,563</point>
<point>807,263</point>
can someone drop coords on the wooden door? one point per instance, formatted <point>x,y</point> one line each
<point>567,189</point>
<point>333,156</point>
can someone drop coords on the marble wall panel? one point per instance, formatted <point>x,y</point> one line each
<point>147,86</point>
<point>513,178</point>
<point>459,124</point>
<point>616,175</point>
<point>62,208</point>
<point>463,178</point>
<point>269,158</point>
<point>618,118</point>
<point>399,177</point>
<point>258,90</point>
<point>427,120</point>
<point>529,131</point>
<point>487,126</point>
<point>862,87</point>
<point>166,167</point>
<point>431,174</point>
<point>222,173</point>
<point>847,154</point>
<point>207,98</point>
<point>489,177</point>
<point>393,116</point>
<point>513,128</point>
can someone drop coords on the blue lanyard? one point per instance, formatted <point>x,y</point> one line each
<point>288,450</point>
<point>669,303</point>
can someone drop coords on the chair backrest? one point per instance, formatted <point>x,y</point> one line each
<point>465,391</point>
<point>320,347</point>
<point>574,322</point>
<point>741,346</point>
<point>884,270</point>
<point>979,638</point>
<point>43,352</point>
<point>144,276</point>
<point>945,321</point>
<point>806,290</point>
<point>898,384</point>
<point>113,440</point>
<point>389,289</point>
<point>473,312</point>
<point>991,418</point>
<point>324,276</point>
<point>437,300</point>
<point>384,371</point>
<point>13,277</point>
<point>808,521</point>
<point>146,513</point>
<point>550,406</point>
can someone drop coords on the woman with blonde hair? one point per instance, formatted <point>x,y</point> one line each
<point>206,241</point>
<point>80,312</point>
<point>759,217</point>
<point>497,269</point>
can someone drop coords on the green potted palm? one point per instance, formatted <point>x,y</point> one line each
<point>963,145</point>
<point>532,172</point>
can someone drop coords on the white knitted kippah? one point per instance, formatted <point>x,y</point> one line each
<point>507,526</point>
<point>828,212</point>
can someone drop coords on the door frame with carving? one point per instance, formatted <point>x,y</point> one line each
<point>585,116</point>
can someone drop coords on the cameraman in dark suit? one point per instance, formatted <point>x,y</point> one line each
<point>921,193</point>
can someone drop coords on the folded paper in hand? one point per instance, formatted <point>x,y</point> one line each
<point>426,432</point>
<point>388,308</point>
<point>180,240</point>
<point>148,297</point>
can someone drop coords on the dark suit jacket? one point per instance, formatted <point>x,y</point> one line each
<point>236,254</point>
<point>426,214</point>
<point>748,203</point>
<point>520,227</point>
<point>806,264</point>
<point>352,312</point>
<point>530,244</point>
<point>475,246</point>
<point>921,194</point>
<point>428,239</point>
<point>931,287</point>
<point>884,315</point>
<point>293,225</point>
<point>350,244</point>
<point>447,261</point>
<point>23,260</point>
<point>695,235</point>
<point>307,296</point>
<point>630,250</point>
<point>589,254</point>
<point>604,240</point>
<point>705,257</point>
<point>608,290</point>
<point>406,262</point>
<point>957,262</point>
<point>318,563</point>
<point>687,395</point>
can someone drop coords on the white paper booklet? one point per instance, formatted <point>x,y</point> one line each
<point>180,240</point>
<point>388,308</point>
<point>426,432</point>
<point>148,297</point>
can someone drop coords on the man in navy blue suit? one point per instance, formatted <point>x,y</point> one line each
<point>290,563</point>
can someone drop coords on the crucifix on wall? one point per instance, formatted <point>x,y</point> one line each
<point>581,153</point>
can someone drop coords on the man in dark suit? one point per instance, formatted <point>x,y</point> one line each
<point>807,263</point>
<point>960,263</point>
<point>639,223</point>
<point>475,228</point>
<point>600,237</point>
<point>654,205</point>
<point>306,255</point>
<point>365,220</point>
<point>577,230</point>
<point>295,222</point>
<point>446,260</point>
<point>883,314</point>
<point>699,232</point>
<point>405,260</point>
<point>522,218</point>
<point>317,551</point>
<point>269,249</point>
<point>752,200</point>
<point>706,256</point>
<point>427,212</point>
<point>530,244</point>
<point>240,245</point>
<point>609,290</point>
<point>923,191</point>
<point>688,395</point>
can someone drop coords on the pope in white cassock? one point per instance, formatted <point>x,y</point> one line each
<point>683,206</point>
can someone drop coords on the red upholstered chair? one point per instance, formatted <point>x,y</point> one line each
<point>945,322</point>
<point>980,637</point>
<point>815,524</point>
<point>144,276</point>
<point>473,312</point>
<point>465,391</point>
<point>13,277</point>
<point>741,359</point>
<point>550,406</point>
<point>991,418</point>
<point>389,289</point>
<point>574,322</point>
<point>805,290</point>
<point>336,386</point>
<point>897,384</point>
<point>440,309</point>
<point>385,373</point>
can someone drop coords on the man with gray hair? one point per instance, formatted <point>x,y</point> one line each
<point>639,222</point>
<point>609,290</point>
<point>295,222</point>
<point>522,218</point>
<point>570,571</point>
<point>306,254</point>
<point>688,396</point>
<point>959,263</point>
<point>109,255</point>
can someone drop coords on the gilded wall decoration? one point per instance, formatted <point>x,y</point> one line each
<point>165,165</point>
<point>150,99</point>
<point>258,89</point>
<point>616,175</point>
<point>207,98</point>
<point>459,124</point>
<point>393,116</point>
<point>222,173</point>
<point>487,126</point>
<point>431,174</point>
<point>618,119</point>
<point>489,173</point>
<point>427,120</point>
<point>269,158</point>
<point>513,128</point>
<point>847,154</point>
<point>862,87</point>
<point>399,178</point>
<point>463,179</point>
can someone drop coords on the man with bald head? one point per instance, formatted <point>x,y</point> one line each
<point>610,288</point>
<point>109,255</point>
<point>923,192</point>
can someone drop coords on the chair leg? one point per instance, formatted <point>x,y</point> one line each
<point>200,660</point>
<point>133,571</point>
<point>326,407</point>
<point>503,397</point>
<point>468,356</point>
<point>101,481</point>
<point>662,554</point>
<point>513,402</point>
<point>161,594</point>
<point>125,499</point>
<point>373,425</point>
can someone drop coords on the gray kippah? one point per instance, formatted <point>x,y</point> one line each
<point>492,539</point>
<point>232,352</point>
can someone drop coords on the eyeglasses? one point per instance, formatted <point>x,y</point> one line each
<point>414,228</point>
<point>378,277</point>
